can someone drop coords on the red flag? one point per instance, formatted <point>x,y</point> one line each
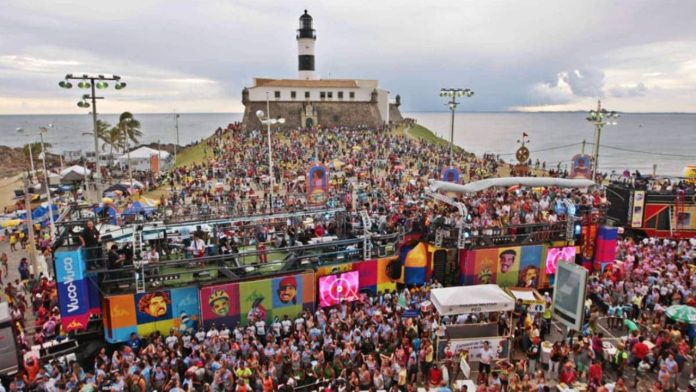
<point>524,134</point>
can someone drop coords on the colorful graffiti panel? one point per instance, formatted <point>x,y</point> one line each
<point>521,266</point>
<point>220,304</point>
<point>374,275</point>
<point>486,266</point>
<point>530,266</point>
<point>266,298</point>
<point>508,266</point>
<point>146,313</point>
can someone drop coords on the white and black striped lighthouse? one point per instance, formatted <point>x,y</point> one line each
<point>305,47</point>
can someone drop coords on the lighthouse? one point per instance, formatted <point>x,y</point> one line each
<point>305,48</point>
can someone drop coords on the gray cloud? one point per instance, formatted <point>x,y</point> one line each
<point>504,50</point>
<point>638,90</point>
<point>587,82</point>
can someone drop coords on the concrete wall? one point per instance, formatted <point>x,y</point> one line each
<point>394,113</point>
<point>350,114</point>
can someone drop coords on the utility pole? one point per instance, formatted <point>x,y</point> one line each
<point>30,228</point>
<point>583,147</point>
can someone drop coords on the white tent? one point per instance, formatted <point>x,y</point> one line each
<point>75,168</point>
<point>74,174</point>
<point>140,158</point>
<point>471,299</point>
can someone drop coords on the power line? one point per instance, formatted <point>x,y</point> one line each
<point>645,152</point>
<point>546,149</point>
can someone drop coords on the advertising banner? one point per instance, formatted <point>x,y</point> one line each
<point>72,288</point>
<point>500,344</point>
<point>638,206</point>
<point>335,289</point>
<point>373,275</point>
<point>317,185</point>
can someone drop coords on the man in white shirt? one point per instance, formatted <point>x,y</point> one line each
<point>487,355</point>
<point>287,326</point>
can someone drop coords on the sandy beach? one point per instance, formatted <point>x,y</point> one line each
<point>7,187</point>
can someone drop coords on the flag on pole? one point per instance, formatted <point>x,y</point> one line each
<point>525,134</point>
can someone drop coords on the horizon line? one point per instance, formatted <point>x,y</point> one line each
<point>411,111</point>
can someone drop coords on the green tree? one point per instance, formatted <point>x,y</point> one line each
<point>35,149</point>
<point>130,127</point>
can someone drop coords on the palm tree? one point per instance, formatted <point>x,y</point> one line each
<point>114,139</point>
<point>103,128</point>
<point>130,126</point>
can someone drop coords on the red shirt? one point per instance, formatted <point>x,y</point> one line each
<point>596,372</point>
<point>567,377</point>
<point>640,350</point>
<point>435,376</point>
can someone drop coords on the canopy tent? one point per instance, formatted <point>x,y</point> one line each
<point>471,299</point>
<point>74,173</point>
<point>477,186</point>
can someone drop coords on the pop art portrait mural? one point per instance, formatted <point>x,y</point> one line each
<point>261,299</point>
<point>520,266</point>
<point>144,314</point>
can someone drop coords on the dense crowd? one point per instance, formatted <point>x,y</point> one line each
<point>372,344</point>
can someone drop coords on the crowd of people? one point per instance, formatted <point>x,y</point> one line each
<point>375,343</point>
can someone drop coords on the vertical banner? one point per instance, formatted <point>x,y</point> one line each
<point>317,185</point>
<point>72,288</point>
<point>589,239</point>
<point>581,166</point>
<point>154,163</point>
<point>451,174</point>
<point>637,211</point>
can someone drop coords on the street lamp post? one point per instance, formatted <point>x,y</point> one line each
<point>43,130</point>
<point>268,121</point>
<point>176,126</point>
<point>126,121</point>
<point>31,154</point>
<point>452,94</point>
<point>599,118</point>
<point>91,81</point>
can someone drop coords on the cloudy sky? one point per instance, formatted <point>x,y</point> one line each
<point>196,56</point>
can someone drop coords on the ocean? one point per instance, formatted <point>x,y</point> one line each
<point>637,141</point>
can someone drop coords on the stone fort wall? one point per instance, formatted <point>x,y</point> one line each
<point>350,114</point>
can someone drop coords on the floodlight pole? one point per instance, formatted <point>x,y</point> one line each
<point>453,93</point>
<point>270,151</point>
<point>97,172</point>
<point>93,97</point>
<point>599,119</point>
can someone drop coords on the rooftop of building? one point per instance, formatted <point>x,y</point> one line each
<point>319,83</point>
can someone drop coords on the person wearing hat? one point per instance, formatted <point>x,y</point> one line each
<point>287,290</point>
